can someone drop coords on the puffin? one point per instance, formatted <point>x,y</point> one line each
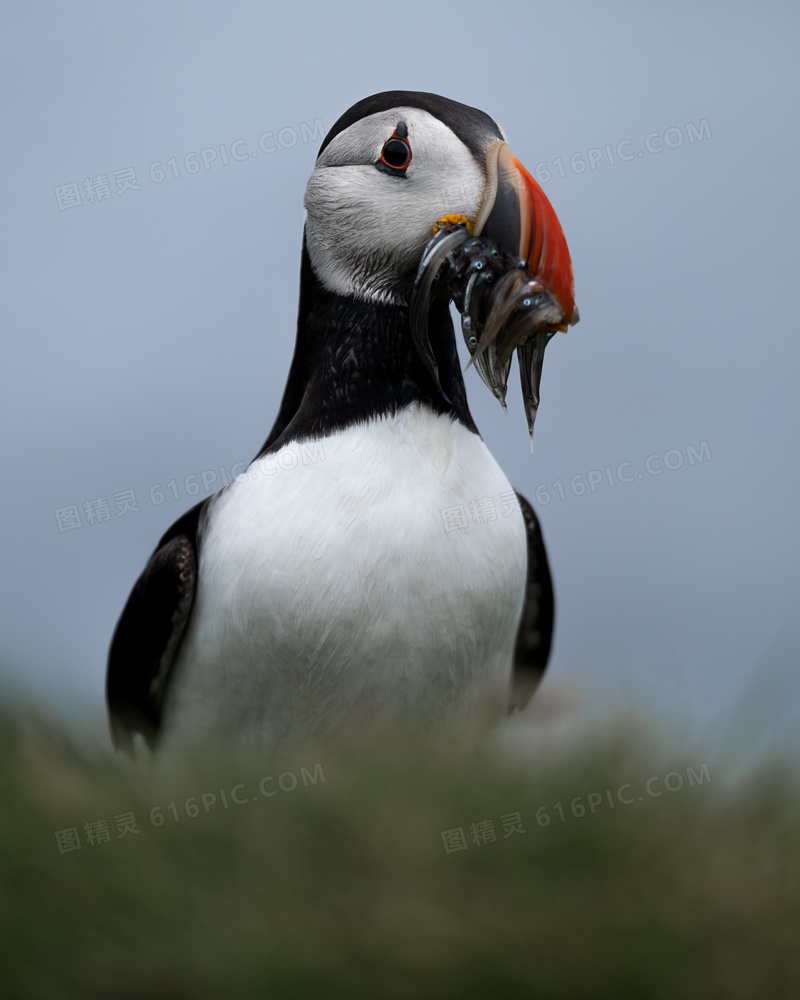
<point>372,567</point>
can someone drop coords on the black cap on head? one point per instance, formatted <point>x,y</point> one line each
<point>472,126</point>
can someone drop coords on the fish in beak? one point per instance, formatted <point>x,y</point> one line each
<point>509,273</point>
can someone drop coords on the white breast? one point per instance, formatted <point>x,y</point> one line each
<point>332,596</point>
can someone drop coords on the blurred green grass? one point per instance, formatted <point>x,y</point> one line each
<point>342,887</point>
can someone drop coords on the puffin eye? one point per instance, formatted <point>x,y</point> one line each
<point>396,153</point>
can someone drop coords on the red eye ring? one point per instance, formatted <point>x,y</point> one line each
<point>396,152</point>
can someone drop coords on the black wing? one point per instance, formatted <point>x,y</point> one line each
<point>148,635</point>
<point>536,625</point>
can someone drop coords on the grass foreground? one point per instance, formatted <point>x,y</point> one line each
<point>612,869</point>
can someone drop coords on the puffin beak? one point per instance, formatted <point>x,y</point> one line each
<point>533,296</point>
<point>517,216</point>
<point>528,305</point>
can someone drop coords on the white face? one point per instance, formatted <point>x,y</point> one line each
<point>366,230</point>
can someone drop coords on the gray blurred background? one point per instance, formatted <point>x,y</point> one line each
<point>155,159</point>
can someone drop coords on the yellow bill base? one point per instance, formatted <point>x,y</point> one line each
<point>454,220</point>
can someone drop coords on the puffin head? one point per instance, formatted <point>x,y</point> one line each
<point>397,162</point>
<point>410,188</point>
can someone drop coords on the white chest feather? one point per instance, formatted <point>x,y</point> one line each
<point>331,593</point>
